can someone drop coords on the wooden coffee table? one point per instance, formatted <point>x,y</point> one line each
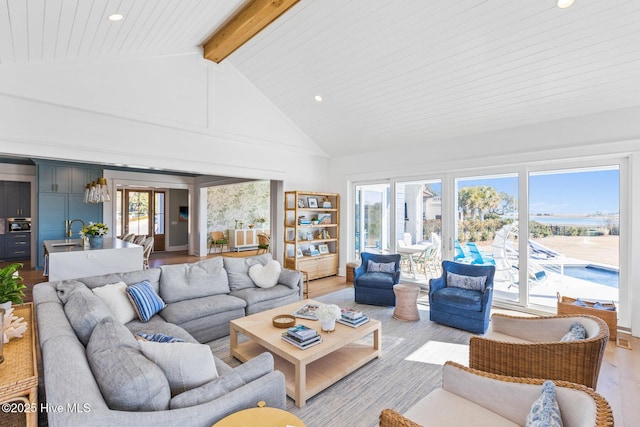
<point>308,371</point>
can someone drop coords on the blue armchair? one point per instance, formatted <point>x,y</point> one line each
<point>464,302</point>
<point>376,287</point>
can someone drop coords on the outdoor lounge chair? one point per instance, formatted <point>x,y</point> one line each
<point>531,347</point>
<point>478,257</point>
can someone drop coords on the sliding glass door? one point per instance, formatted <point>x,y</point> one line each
<point>574,234</point>
<point>547,231</point>
<point>372,218</point>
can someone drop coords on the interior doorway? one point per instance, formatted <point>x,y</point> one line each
<point>142,212</point>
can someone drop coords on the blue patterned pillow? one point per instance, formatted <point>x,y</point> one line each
<point>158,337</point>
<point>473,283</point>
<point>145,300</point>
<point>576,332</point>
<point>381,267</point>
<point>545,411</point>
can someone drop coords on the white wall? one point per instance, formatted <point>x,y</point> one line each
<point>175,113</point>
<point>611,134</point>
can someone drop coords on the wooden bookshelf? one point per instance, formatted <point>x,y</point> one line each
<point>300,236</point>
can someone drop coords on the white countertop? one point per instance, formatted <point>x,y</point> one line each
<point>75,245</point>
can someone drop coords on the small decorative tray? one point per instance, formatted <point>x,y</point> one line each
<point>283,321</point>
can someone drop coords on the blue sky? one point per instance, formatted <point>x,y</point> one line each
<point>579,192</point>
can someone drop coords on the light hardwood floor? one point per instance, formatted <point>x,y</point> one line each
<point>619,380</point>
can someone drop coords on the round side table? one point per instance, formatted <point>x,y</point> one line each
<point>406,302</point>
<point>260,417</point>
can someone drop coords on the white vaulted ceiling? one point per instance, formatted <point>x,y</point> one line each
<point>402,72</point>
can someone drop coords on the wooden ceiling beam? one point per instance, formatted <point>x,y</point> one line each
<point>252,19</point>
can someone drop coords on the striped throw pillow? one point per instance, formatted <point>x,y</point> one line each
<point>145,300</point>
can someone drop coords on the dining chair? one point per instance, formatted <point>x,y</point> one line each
<point>146,251</point>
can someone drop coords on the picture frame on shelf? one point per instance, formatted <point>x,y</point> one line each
<point>309,235</point>
<point>299,253</point>
<point>301,203</point>
<point>323,249</point>
<point>326,203</point>
<point>312,202</point>
<point>324,218</point>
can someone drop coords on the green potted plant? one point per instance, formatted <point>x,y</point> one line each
<point>95,232</point>
<point>11,286</point>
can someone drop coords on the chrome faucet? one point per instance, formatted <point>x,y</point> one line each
<point>70,223</point>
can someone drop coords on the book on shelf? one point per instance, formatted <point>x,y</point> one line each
<point>307,311</point>
<point>350,313</point>
<point>301,345</point>
<point>301,332</point>
<point>353,323</point>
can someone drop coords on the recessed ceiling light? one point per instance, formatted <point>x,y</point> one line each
<point>115,17</point>
<point>563,4</point>
<point>318,98</point>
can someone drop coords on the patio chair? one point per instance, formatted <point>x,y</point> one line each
<point>531,347</point>
<point>478,257</point>
<point>461,255</point>
<point>454,303</point>
<point>376,287</point>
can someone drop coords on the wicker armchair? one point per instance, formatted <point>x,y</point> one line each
<point>491,399</point>
<point>530,347</point>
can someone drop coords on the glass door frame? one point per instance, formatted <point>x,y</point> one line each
<point>522,170</point>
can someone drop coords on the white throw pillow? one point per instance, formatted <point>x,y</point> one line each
<point>265,276</point>
<point>186,365</point>
<point>115,296</point>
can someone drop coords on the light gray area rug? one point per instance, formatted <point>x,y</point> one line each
<point>410,368</point>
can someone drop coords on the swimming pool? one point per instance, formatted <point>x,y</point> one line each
<point>594,274</point>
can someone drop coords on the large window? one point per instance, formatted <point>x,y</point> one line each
<point>574,234</point>
<point>547,231</point>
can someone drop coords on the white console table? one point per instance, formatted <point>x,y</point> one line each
<point>243,239</point>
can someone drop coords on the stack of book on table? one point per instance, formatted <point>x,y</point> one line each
<point>301,336</point>
<point>353,318</point>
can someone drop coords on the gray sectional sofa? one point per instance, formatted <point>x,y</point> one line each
<point>93,367</point>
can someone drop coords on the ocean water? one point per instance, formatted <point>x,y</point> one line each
<point>583,221</point>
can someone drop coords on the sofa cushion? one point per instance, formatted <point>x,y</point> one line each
<point>381,267</point>
<point>238,270</point>
<point>115,296</point>
<point>228,381</point>
<point>255,295</point>
<point>545,411</point>
<point>474,283</point>
<point>83,309</point>
<point>185,365</point>
<point>207,392</point>
<point>459,298</point>
<point>151,275</point>
<point>443,408</point>
<point>290,278</point>
<point>376,280</point>
<point>181,282</point>
<point>265,276</point>
<point>127,379</point>
<point>145,300</point>
<point>158,325</point>
<point>157,337</point>
<point>184,311</point>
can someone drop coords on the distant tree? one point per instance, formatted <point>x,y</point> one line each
<point>478,201</point>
